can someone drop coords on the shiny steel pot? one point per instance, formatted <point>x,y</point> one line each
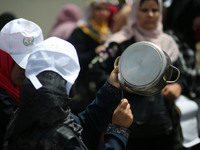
<point>145,68</point>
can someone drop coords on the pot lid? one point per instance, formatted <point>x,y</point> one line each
<point>141,64</point>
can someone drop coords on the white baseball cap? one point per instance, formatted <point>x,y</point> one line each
<point>53,54</point>
<point>18,37</point>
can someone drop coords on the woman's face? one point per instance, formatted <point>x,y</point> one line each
<point>101,13</point>
<point>148,14</point>
<point>17,75</point>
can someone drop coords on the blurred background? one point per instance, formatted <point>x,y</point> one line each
<point>42,12</point>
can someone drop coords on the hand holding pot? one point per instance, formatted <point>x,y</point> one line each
<point>113,78</point>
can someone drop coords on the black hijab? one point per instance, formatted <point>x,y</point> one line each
<point>43,120</point>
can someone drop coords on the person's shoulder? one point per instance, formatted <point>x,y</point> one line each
<point>127,43</point>
<point>76,34</point>
<point>77,30</point>
<point>169,37</point>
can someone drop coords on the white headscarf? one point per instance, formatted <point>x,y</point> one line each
<point>156,36</point>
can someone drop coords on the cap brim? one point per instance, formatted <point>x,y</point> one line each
<point>21,59</point>
<point>68,87</point>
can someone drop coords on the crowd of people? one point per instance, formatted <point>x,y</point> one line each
<point>63,92</point>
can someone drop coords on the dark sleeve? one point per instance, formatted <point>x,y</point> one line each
<point>72,145</point>
<point>99,113</point>
<point>116,137</point>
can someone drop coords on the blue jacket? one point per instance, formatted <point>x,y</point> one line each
<point>98,115</point>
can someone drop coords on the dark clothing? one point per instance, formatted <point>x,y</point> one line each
<point>154,117</point>
<point>101,66</point>
<point>5,18</point>
<point>85,46</point>
<point>178,23</point>
<point>156,123</point>
<point>180,17</point>
<point>44,120</point>
<point>188,60</point>
<point>7,108</point>
<point>196,147</point>
<point>98,114</point>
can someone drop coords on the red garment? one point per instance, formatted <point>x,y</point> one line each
<point>6,63</point>
<point>113,10</point>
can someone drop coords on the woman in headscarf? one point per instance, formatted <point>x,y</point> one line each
<point>156,119</point>
<point>44,120</point>
<point>66,21</point>
<point>13,60</point>
<point>92,30</point>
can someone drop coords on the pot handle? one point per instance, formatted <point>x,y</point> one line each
<point>116,61</point>
<point>169,82</point>
<point>121,82</point>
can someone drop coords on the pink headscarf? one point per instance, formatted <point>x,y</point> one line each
<point>66,21</point>
<point>156,36</point>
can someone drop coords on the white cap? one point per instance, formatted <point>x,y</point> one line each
<point>53,54</point>
<point>18,37</point>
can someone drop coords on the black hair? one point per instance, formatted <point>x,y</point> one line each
<point>5,18</point>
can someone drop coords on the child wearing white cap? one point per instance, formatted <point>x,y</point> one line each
<point>44,119</point>
<point>17,39</point>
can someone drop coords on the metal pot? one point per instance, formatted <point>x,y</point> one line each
<point>145,68</point>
